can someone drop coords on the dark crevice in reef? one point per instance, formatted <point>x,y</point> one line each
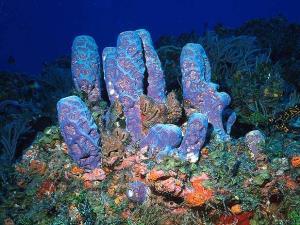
<point>145,80</point>
<point>103,89</point>
<point>208,134</point>
<point>240,129</point>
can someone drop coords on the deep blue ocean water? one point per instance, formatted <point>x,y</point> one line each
<point>36,31</point>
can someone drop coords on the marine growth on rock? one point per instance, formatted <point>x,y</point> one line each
<point>134,79</point>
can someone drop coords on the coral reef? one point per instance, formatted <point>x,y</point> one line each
<point>162,137</point>
<point>129,80</point>
<point>109,55</point>
<point>142,160</point>
<point>243,67</point>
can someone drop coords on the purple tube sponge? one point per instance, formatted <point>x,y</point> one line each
<point>198,92</point>
<point>138,192</point>
<point>109,56</point>
<point>129,80</point>
<point>86,67</point>
<point>194,137</point>
<point>79,132</point>
<point>162,137</point>
<point>156,81</point>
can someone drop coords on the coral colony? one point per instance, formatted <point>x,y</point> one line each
<point>124,74</point>
<point>124,69</point>
<point>148,148</point>
<point>128,149</point>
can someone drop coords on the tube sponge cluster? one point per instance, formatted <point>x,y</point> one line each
<point>198,92</point>
<point>125,69</point>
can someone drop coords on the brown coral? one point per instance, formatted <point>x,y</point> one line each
<point>174,109</point>
<point>204,152</point>
<point>113,145</point>
<point>152,112</point>
<point>20,169</point>
<point>46,189</point>
<point>38,166</point>
<point>75,215</point>
<point>115,115</point>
